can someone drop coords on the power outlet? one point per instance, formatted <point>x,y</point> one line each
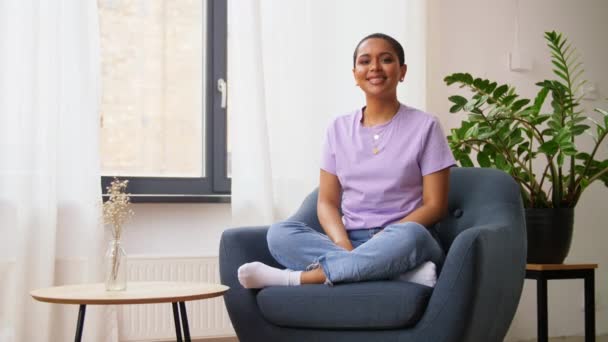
<point>589,91</point>
<point>518,62</point>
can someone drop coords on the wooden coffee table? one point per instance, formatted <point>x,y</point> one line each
<point>176,293</point>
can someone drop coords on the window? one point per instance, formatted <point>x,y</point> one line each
<point>163,106</point>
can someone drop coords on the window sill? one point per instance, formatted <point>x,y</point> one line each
<point>162,198</point>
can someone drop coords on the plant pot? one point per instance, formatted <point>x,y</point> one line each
<point>549,234</point>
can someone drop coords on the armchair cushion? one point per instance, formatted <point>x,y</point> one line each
<point>367,305</point>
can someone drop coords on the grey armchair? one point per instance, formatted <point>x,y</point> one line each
<point>476,295</point>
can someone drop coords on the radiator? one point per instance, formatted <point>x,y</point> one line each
<point>154,322</point>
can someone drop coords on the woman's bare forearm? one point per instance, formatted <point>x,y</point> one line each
<point>427,215</point>
<point>434,206</point>
<point>332,224</point>
<point>330,195</point>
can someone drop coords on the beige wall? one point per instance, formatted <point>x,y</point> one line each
<point>476,36</point>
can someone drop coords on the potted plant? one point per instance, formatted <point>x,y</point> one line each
<point>536,144</point>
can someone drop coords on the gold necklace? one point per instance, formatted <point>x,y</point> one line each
<point>376,143</point>
<point>377,135</point>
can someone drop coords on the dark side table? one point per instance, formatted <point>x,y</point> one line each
<point>544,272</point>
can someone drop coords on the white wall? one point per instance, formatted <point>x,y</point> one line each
<point>473,36</point>
<point>176,229</point>
<point>476,36</point>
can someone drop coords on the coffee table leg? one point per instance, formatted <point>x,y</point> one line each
<point>182,307</point>
<point>80,324</point>
<point>178,326</point>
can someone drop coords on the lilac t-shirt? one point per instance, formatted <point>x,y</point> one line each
<point>380,168</point>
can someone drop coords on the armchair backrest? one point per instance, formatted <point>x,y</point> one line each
<point>477,196</point>
<point>480,196</point>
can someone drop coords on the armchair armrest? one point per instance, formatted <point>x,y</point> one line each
<point>480,284</point>
<point>239,246</point>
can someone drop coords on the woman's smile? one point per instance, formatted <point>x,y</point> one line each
<point>377,70</point>
<point>376,79</point>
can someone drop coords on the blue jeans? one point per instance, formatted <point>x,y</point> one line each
<point>400,247</point>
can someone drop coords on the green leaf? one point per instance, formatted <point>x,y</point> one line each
<point>605,113</point>
<point>516,141</point>
<point>483,160</point>
<point>545,84</point>
<point>489,149</point>
<point>560,66</point>
<point>582,156</point>
<point>548,131</point>
<point>601,111</point>
<point>500,91</point>
<point>579,119</point>
<point>554,125</point>
<point>508,99</point>
<point>519,104</point>
<point>540,119</point>
<point>501,162</point>
<point>472,132</point>
<point>549,148</point>
<point>482,100</point>
<point>579,129</point>
<point>459,103</point>
<point>449,80</point>
<point>478,83</point>
<point>540,99</point>
<point>569,150</point>
<point>455,108</point>
<point>467,78</point>
<point>494,110</point>
<point>476,117</point>
<point>465,161</point>
<point>515,133</point>
<point>560,74</point>
<point>490,88</point>
<point>560,160</point>
<point>469,106</point>
<point>484,85</point>
<point>486,135</point>
<point>522,148</point>
<point>457,99</point>
<point>564,136</point>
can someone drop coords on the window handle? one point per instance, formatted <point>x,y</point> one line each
<point>221,87</point>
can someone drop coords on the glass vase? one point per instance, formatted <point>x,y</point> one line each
<point>116,267</point>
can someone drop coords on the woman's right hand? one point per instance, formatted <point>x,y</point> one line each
<point>328,202</point>
<point>346,244</point>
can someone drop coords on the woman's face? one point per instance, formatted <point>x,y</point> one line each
<point>377,70</point>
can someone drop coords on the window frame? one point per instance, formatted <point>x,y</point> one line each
<point>215,186</point>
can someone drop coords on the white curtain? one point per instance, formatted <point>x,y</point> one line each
<point>49,165</point>
<point>289,73</point>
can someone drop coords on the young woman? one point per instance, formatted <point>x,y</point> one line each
<point>387,167</point>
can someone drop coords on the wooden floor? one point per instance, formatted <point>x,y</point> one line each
<point>603,338</point>
<point>223,339</point>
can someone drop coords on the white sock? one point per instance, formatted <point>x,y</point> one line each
<point>256,275</point>
<point>425,274</point>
